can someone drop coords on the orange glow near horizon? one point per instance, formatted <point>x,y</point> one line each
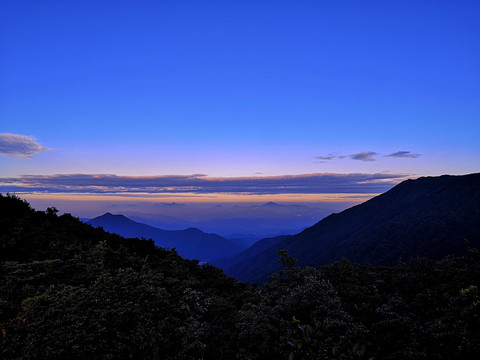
<point>201,198</point>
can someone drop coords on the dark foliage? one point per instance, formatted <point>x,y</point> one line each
<point>70,291</point>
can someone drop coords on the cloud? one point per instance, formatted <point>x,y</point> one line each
<point>328,157</point>
<point>19,145</point>
<point>364,156</point>
<point>404,154</point>
<point>324,158</point>
<point>320,183</point>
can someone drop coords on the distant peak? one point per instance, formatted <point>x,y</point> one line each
<point>171,204</point>
<point>271,203</point>
<point>109,214</point>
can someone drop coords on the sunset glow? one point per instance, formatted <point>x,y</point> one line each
<point>219,102</point>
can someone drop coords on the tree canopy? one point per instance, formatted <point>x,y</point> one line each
<point>68,290</point>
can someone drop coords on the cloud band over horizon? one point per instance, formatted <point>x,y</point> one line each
<point>201,184</point>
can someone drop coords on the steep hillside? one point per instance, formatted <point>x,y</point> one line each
<point>72,291</point>
<point>253,250</point>
<point>191,243</point>
<point>430,217</point>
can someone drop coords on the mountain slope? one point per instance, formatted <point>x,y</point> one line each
<point>428,217</point>
<point>250,252</point>
<point>72,291</point>
<point>192,243</point>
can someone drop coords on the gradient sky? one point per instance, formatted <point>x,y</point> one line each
<point>237,89</point>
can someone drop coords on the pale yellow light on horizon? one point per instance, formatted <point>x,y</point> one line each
<point>201,198</point>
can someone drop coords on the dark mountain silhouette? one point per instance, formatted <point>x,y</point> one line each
<point>253,250</point>
<point>192,243</point>
<point>427,217</point>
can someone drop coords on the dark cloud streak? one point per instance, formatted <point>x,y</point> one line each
<point>328,157</point>
<point>201,184</point>
<point>404,154</point>
<point>364,156</point>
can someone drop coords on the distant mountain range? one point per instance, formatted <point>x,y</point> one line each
<point>246,223</point>
<point>426,217</point>
<point>192,243</point>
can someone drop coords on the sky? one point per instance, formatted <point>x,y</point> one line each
<point>235,100</point>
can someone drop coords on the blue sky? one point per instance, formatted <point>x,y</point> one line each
<point>238,89</point>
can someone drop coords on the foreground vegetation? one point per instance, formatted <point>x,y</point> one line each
<point>68,290</point>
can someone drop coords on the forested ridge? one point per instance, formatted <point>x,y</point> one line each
<point>71,291</point>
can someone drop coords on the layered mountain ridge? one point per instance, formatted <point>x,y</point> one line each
<point>427,217</point>
<point>192,243</point>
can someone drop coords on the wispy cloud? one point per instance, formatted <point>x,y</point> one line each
<point>324,158</point>
<point>404,154</point>
<point>320,183</point>
<point>19,145</point>
<point>364,156</point>
<point>328,157</point>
